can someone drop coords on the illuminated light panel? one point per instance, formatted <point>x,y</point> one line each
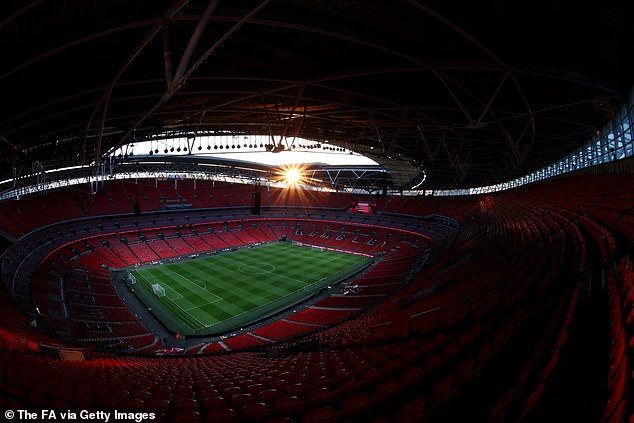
<point>248,148</point>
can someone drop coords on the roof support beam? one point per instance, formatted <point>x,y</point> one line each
<point>222,39</point>
<point>488,106</point>
<point>397,132</point>
<point>167,55</point>
<point>453,95</point>
<point>432,157</point>
<point>179,79</point>
<point>289,118</point>
<point>378,133</point>
<point>14,148</point>
<point>299,127</point>
<point>102,106</point>
<point>20,12</point>
<point>6,141</point>
<point>182,75</point>
<point>460,166</point>
<point>266,117</point>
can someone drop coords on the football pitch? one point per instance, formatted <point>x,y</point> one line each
<point>216,294</point>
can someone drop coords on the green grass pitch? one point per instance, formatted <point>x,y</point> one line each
<point>216,294</point>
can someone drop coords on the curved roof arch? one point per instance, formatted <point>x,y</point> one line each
<point>475,94</point>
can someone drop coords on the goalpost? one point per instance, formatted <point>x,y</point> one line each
<point>158,290</point>
<point>316,248</point>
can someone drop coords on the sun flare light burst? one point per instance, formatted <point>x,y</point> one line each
<point>293,175</point>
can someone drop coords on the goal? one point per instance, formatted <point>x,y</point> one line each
<point>316,248</point>
<point>158,290</point>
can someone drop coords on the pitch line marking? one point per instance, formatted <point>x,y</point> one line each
<point>173,300</point>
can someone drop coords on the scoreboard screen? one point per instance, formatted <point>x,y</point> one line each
<point>362,207</point>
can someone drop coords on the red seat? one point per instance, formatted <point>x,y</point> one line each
<point>256,412</point>
<point>224,415</point>
<point>186,404</point>
<point>291,406</point>
<point>322,396</point>
<point>186,417</point>
<point>160,404</point>
<point>372,375</point>
<point>616,414</point>
<point>412,411</point>
<point>348,386</point>
<point>501,408</point>
<point>530,403</point>
<point>269,396</point>
<point>255,388</point>
<point>240,400</point>
<point>388,390</point>
<point>231,391</point>
<point>298,389</point>
<point>214,403</point>
<point>357,406</point>
<point>280,420</point>
<point>322,415</point>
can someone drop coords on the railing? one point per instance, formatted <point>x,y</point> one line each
<point>417,317</point>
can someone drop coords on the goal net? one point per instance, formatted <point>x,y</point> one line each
<point>158,290</point>
<point>315,248</point>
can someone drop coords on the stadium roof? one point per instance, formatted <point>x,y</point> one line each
<point>474,93</point>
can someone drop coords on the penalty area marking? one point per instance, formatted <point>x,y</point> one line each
<point>197,283</point>
<point>170,293</point>
<point>262,269</point>
<point>173,301</point>
<point>206,324</point>
<point>192,283</point>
